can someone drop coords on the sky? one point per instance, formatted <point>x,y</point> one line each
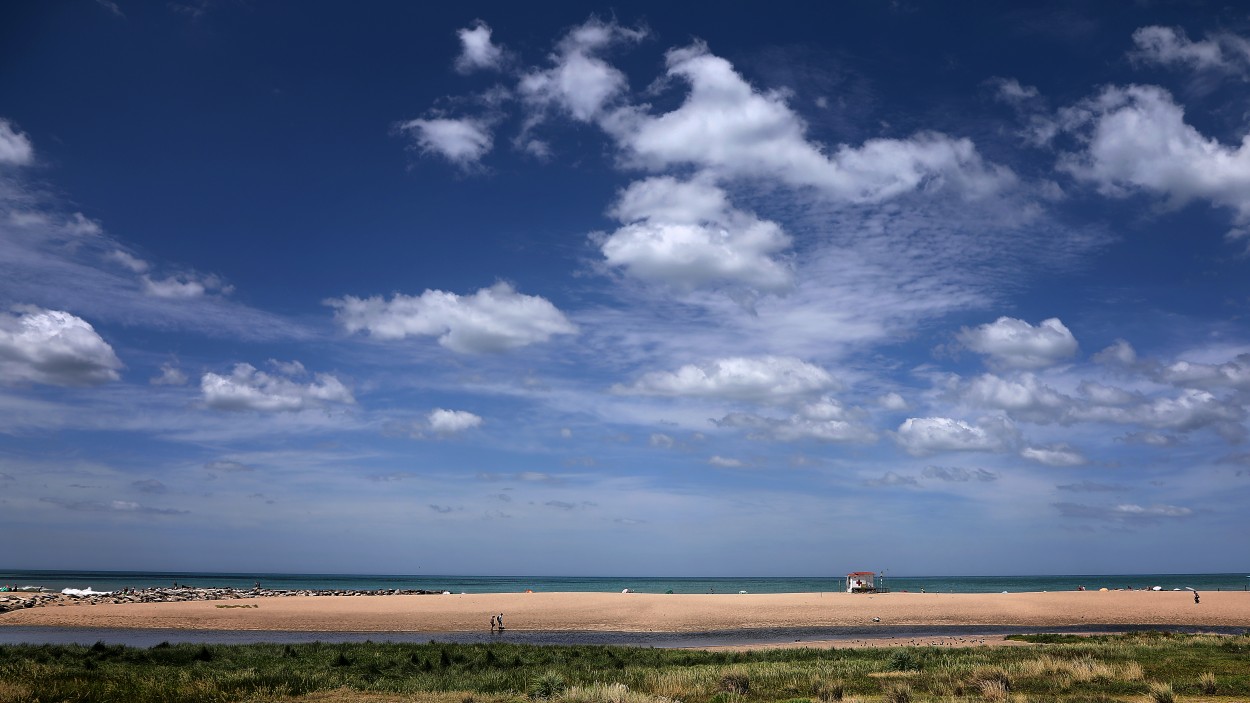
<point>784,289</point>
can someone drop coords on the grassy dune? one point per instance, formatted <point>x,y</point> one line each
<point>1143,667</point>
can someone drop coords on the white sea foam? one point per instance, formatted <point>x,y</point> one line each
<point>83,592</point>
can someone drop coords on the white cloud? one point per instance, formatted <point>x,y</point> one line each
<point>53,347</point>
<point>476,50</point>
<point>825,420</point>
<point>1136,140</point>
<point>926,435</point>
<point>15,147</point>
<point>134,263</point>
<point>491,320</point>
<point>686,234</point>
<point>661,440</point>
<point>463,142</point>
<point>725,462</point>
<point>1061,455</point>
<point>1023,397</point>
<point>186,285</point>
<point>170,376</point>
<point>892,401</point>
<point>1124,512</point>
<point>1010,91</point>
<point>1192,409</point>
<point>955,474</point>
<point>452,421</point>
<point>1168,45</point>
<point>1121,352</point>
<point>891,478</point>
<point>579,82</point>
<point>728,127</point>
<point>247,388</point>
<point>760,379</point>
<point>1015,343</point>
<point>1231,374</point>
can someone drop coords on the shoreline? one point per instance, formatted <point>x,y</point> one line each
<point>643,614</point>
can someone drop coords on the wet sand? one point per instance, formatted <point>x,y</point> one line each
<point>639,612</point>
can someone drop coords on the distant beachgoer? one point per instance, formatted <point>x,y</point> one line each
<point>1195,598</point>
<point>501,622</point>
<point>492,623</point>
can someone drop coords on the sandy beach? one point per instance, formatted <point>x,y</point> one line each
<point>638,612</point>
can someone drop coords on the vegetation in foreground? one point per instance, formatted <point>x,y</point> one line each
<point>1142,667</point>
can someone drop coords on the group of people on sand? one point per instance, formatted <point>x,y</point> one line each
<point>496,621</point>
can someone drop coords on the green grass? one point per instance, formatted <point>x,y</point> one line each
<point>1073,669</point>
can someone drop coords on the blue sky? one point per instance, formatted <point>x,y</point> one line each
<point>487,289</point>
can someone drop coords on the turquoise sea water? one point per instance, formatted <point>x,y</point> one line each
<point>115,580</point>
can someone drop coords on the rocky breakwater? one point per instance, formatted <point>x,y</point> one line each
<point>10,602</point>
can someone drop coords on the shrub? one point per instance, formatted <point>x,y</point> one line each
<point>901,660</point>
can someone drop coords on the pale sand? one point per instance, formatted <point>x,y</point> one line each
<point>639,612</point>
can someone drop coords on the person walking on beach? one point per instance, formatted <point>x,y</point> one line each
<point>492,623</point>
<point>501,622</point>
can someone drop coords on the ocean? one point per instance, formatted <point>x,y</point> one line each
<point>55,581</point>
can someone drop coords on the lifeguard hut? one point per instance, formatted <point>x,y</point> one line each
<point>861,582</point>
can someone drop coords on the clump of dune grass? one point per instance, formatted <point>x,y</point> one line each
<point>994,690</point>
<point>1206,682</point>
<point>897,693</point>
<point>1162,693</point>
<point>609,693</point>
<point>830,691</point>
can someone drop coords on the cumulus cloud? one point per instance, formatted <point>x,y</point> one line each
<point>927,435</point>
<point>955,474</point>
<point>15,147</point>
<point>891,478</point>
<point>1013,343</point>
<point>725,462</point>
<point>247,388</point>
<point>580,83</point>
<point>112,506</point>
<point>128,260</point>
<point>170,376</point>
<point>1061,455</point>
<point>493,319</point>
<point>760,379</point>
<point>1171,46</point>
<point>1123,512</point>
<point>726,126</point>
<point>892,401</point>
<point>185,285</point>
<point>452,421</point>
<point>53,347</point>
<point>477,52</point>
<point>1192,409</point>
<point>1231,374</point>
<point>463,141</point>
<point>1010,91</point>
<point>1023,397</point>
<point>1121,353</point>
<point>1135,140</point>
<point>825,420</point>
<point>686,234</point>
